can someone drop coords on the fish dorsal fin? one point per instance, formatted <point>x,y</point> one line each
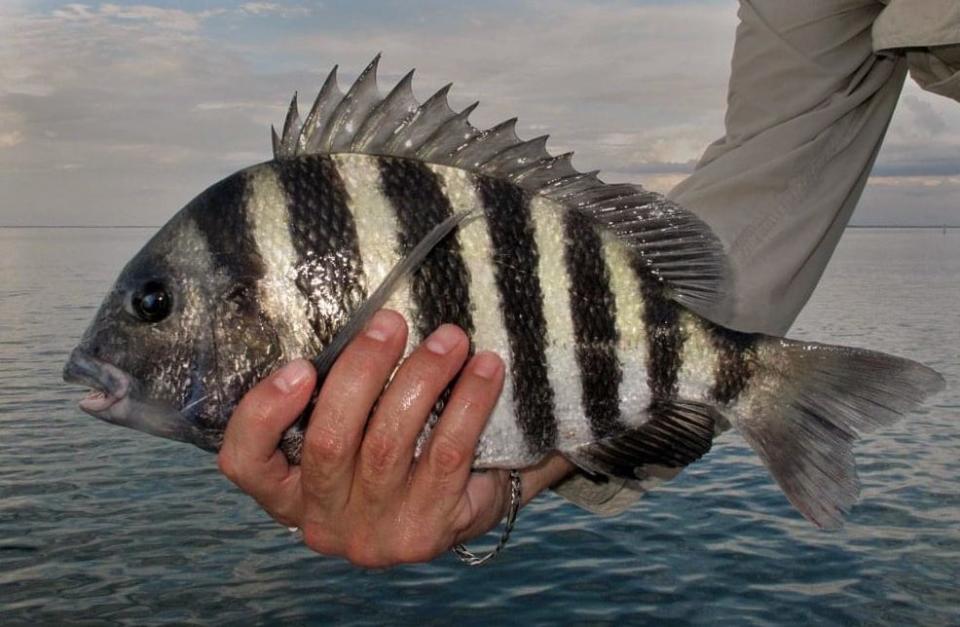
<point>675,247</point>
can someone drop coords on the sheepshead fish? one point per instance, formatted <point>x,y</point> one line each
<point>598,297</point>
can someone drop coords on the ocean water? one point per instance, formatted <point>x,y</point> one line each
<point>106,525</point>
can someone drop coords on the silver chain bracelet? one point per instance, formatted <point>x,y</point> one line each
<point>470,558</point>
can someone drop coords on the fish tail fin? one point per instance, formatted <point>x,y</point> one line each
<point>806,404</point>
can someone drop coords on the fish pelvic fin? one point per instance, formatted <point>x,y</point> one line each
<point>673,246</point>
<point>807,403</point>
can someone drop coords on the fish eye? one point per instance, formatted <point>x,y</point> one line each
<point>152,302</point>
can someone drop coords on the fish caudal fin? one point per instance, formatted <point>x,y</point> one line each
<point>805,406</point>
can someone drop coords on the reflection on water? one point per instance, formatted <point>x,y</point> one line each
<point>104,523</point>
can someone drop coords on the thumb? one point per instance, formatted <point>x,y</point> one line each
<point>484,504</point>
<point>249,451</point>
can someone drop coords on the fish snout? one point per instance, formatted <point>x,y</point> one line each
<point>108,384</point>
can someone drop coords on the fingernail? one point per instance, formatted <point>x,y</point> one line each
<point>382,326</point>
<point>292,375</point>
<point>443,340</point>
<point>486,365</point>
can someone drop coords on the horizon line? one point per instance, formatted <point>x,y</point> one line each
<point>157,226</point>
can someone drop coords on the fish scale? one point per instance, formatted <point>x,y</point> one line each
<point>507,212</point>
<point>594,313</point>
<point>324,237</point>
<point>440,286</point>
<point>598,297</point>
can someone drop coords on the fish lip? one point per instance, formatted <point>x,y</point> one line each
<point>109,384</point>
<point>118,399</point>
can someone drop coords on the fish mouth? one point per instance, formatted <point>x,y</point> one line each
<point>117,398</point>
<point>109,385</point>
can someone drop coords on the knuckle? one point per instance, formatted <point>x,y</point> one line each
<point>427,366</point>
<point>421,545</point>
<point>416,554</point>
<point>328,446</point>
<point>228,466</point>
<point>255,407</point>
<point>447,455</point>
<point>362,553</point>
<point>364,352</point>
<point>318,540</point>
<point>476,396</point>
<point>380,455</point>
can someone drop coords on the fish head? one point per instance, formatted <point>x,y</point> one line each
<point>149,355</point>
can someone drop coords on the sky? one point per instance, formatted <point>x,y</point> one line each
<point>119,113</point>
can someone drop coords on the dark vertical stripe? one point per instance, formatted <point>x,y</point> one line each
<point>246,346</point>
<point>441,286</point>
<point>507,210</point>
<point>593,310</point>
<point>665,338</point>
<point>324,237</point>
<point>220,214</point>
<point>734,362</point>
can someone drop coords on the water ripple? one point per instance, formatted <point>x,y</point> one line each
<point>103,525</point>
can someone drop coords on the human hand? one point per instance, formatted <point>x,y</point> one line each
<point>358,492</point>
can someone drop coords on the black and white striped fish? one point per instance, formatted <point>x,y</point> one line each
<point>597,296</point>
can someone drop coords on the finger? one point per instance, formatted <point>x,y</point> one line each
<point>443,470</point>
<point>386,453</point>
<point>483,504</point>
<point>343,406</point>
<point>249,455</point>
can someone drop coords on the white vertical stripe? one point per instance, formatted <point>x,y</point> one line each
<point>282,301</point>
<point>563,369</point>
<point>698,361</point>
<point>632,349</point>
<point>377,230</point>
<point>502,440</point>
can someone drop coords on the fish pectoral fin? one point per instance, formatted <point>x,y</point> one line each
<point>403,269</point>
<point>677,434</point>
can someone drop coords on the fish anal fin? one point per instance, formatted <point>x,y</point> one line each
<point>677,434</point>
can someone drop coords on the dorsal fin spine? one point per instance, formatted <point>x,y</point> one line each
<point>517,157</point>
<point>353,100</point>
<point>545,172</point>
<point>445,133</point>
<point>426,119</point>
<point>474,152</point>
<point>288,141</point>
<point>275,140</point>
<point>370,134</point>
<point>327,98</point>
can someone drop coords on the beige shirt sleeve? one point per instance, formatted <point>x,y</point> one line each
<point>809,102</point>
<point>928,33</point>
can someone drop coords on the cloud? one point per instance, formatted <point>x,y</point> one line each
<point>172,19</point>
<point>273,8</point>
<point>926,119</point>
<point>921,200</point>
<point>10,139</point>
<point>134,108</point>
